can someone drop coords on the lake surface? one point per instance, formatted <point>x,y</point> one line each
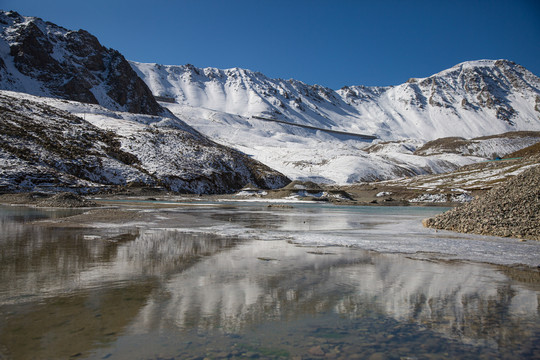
<point>240,280</point>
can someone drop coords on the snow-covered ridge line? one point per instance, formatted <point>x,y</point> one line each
<point>471,99</point>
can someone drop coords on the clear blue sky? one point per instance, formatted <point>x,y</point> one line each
<point>328,42</point>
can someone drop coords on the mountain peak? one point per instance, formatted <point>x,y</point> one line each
<point>44,59</point>
<point>473,98</point>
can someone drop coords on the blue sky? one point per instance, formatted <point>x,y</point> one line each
<point>330,43</point>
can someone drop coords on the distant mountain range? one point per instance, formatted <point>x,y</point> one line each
<point>190,119</point>
<point>285,123</point>
<point>475,98</point>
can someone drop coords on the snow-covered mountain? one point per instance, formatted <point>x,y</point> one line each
<point>75,115</point>
<point>303,131</point>
<point>259,116</point>
<point>41,58</point>
<point>472,99</point>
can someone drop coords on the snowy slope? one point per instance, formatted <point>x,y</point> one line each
<point>56,144</point>
<point>471,99</point>
<point>308,154</point>
<point>474,98</point>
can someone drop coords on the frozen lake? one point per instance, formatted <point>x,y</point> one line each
<point>240,280</point>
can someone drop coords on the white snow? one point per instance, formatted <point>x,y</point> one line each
<point>222,104</point>
<point>165,146</point>
<point>239,108</point>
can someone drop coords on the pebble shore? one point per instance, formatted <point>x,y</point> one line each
<point>511,209</point>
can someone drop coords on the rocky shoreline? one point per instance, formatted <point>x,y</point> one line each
<point>511,209</point>
<point>59,200</point>
<point>360,195</point>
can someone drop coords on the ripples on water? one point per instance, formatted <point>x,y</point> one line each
<point>243,281</point>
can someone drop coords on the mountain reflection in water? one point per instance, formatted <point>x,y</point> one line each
<point>93,293</point>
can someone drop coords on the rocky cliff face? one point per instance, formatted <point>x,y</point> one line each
<point>41,58</point>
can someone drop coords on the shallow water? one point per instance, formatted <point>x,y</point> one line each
<point>244,281</point>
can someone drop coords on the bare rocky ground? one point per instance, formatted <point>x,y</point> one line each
<point>511,209</point>
<point>449,189</point>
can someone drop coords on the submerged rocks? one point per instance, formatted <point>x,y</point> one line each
<point>280,206</point>
<point>511,209</point>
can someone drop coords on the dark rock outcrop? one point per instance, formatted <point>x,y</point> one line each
<point>71,65</point>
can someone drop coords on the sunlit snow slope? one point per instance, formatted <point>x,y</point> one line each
<point>471,99</point>
<point>235,107</point>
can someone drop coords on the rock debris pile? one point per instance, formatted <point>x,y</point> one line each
<point>67,200</point>
<point>511,209</point>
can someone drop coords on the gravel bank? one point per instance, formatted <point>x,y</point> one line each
<point>66,199</point>
<point>511,209</point>
<point>61,200</point>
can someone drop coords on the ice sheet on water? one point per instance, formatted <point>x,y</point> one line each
<point>444,244</point>
<point>388,230</point>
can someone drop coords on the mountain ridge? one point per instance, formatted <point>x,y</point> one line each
<point>470,100</point>
<point>307,130</point>
<point>469,94</point>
